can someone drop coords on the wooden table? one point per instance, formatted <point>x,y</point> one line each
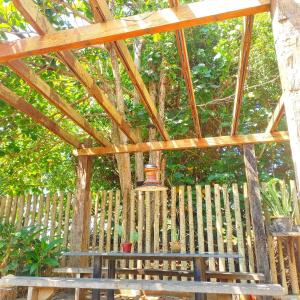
<point>197,258</point>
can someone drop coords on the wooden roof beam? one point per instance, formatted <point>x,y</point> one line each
<point>242,73</point>
<point>220,141</point>
<point>197,13</point>
<point>102,14</point>
<point>43,27</point>
<point>20,104</point>
<point>185,67</point>
<point>53,97</point>
<point>276,116</point>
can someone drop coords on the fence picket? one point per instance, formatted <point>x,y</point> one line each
<point>27,213</point>
<point>20,212</point>
<point>200,231</point>
<point>95,221</point>
<point>116,222</point>
<point>53,216</point>
<point>109,220</point>
<point>9,200</point>
<point>102,220</point>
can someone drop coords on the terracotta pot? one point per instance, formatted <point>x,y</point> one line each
<point>126,247</point>
<point>175,246</point>
<point>281,224</point>
<point>151,174</point>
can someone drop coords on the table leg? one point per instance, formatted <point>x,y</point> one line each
<point>199,275</point>
<point>97,272</point>
<point>111,274</point>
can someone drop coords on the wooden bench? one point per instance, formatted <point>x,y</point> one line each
<point>224,276</point>
<point>36,283</point>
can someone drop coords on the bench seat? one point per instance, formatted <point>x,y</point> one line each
<point>147,285</point>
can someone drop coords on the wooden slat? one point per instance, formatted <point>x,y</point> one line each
<point>156,227</point>
<point>41,24</point>
<point>295,201</point>
<point>248,230</point>
<point>33,210</point>
<point>140,224</point>
<point>41,209</point>
<point>276,116</point>
<point>47,211</point>
<point>242,72</point>
<point>7,212</point>
<point>200,231</point>
<point>165,227</point>
<point>27,213</point>
<point>102,219</point>
<point>191,220</point>
<point>66,225</point>
<point>186,72</point>
<point>168,19</point>
<point>148,227</point>
<point>20,212</point>
<point>173,221</point>
<point>209,226</point>
<point>220,141</point>
<point>182,223</point>
<point>282,268</point>
<point>132,224</point>
<point>239,227</point>
<point>95,221</point>
<point>116,221</point>
<point>14,210</point>
<point>2,207</point>
<point>60,213</point>
<point>109,221</point>
<point>229,234</point>
<point>102,14</point>
<point>53,97</point>
<point>219,225</point>
<point>20,104</point>
<point>53,216</point>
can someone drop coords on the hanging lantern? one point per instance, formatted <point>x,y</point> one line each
<point>151,183</point>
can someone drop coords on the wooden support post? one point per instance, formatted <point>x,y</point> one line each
<point>81,217</point>
<point>286,30</point>
<point>260,240</point>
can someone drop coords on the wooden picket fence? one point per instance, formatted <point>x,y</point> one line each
<point>205,218</point>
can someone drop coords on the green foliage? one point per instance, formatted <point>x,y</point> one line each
<point>134,236</point>
<point>277,199</point>
<point>24,251</point>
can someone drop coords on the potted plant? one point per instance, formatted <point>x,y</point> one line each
<point>175,244</point>
<point>279,204</point>
<point>127,245</point>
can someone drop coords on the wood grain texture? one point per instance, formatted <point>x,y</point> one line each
<point>163,20</point>
<point>220,141</point>
<point>20,104</point>
<point>276,116</point>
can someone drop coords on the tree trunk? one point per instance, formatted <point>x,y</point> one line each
<point>118,137</point>
<point>286,30</point>
<point>139,157</point>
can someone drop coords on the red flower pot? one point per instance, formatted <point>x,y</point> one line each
<point>126,247</point>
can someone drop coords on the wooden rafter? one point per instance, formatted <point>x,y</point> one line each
<point>276,116</point>
<point>242,73</point>
<point>20,104</point>
<point>185,67</point>
<point>220,141</point>
<point>43,27</point>
<point>168,19</point>
<point>42,87</point>
<point>102,14</point>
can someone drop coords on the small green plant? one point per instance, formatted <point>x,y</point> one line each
<point>174,236</point>
<point>134,236</point>
<point>24,251</point>
<point>277,200</point>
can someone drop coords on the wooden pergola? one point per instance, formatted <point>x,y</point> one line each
<point>106,29</point>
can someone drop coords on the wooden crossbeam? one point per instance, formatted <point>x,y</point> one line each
<point>276,116</point>
<point>168,19</point>
<point>185,68</point>
<point>102,14</point>
<point>242,73</point>
<point>43,27</point>
<point>20,104</point>
<point>42,87</point>
<point>220,141</point>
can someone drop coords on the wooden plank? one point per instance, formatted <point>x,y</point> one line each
<point>102,14</point>
<point>20,212</point>
<point>281,266</point>
<point>182,223</point>
<point>239,227</point>
<point>165,228</point>
<point>66,224</point>
<point>109,221</point>
<point>276,116</point>
<point>41,209</point>
<point>186,72</point>
<point>229,231</point>
<point>132,224</point>
<point>2,207</point>
<point>116,221</point>
<point>147,285</point>
<point>60,213</point>
<point>41,24</point>
<point>173,221</point>
<point>147,227</point>
<point>219,225</point>
<point>219,141</point>
<point>292,267</point>
<point>53,97</point>
<point>209,226</point>
<point>140,221</point>
<point>191,220</point>
<point>242,72</point>
<point>249,237</point>
<point>7,213</point>
<point>102,219</point>
<point>47,211</point>
<point>95,221</point>
<point>53,216</point>
<point>156,228</point>
<point>28,207</point>
<point>14,210</point>
<point>20,104</point>
<point>295,201</point>
<point>33,210</point>
<point>200,230</point>
<point>168,19</point>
